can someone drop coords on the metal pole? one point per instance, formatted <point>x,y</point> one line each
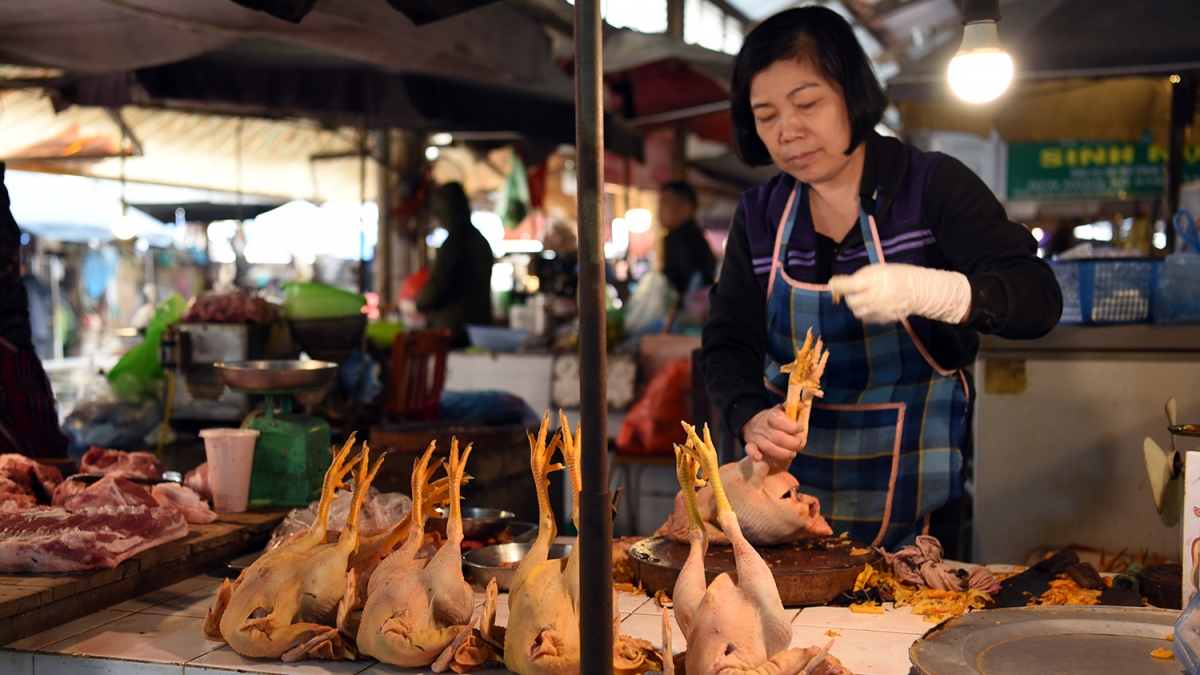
<point>595,503</point>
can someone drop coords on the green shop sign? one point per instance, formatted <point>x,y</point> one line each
<point>1088,169</point>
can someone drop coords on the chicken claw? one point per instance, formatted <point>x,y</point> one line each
<point>804,378</point>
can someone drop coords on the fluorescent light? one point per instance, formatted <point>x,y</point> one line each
<point>981,70</point>
<point>432,153</point>
<point>441,139</point>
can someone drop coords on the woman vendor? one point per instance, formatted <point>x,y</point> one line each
<point>895,257</point>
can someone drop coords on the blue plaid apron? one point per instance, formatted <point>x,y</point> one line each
<point>884,443</point>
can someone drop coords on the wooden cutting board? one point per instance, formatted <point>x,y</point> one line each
<point>810,572</point>
<point>32,603</point>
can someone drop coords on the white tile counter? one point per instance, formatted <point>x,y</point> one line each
<point>159,634</point>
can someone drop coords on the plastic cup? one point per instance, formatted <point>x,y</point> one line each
<point>230,455</point>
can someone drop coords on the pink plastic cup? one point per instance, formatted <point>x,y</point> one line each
<point>230,462</point>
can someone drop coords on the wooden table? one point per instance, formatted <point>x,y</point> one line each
<point>31,603</point>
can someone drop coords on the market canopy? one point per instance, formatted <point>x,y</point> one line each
<point>288,159</point>
<point>349,62</point>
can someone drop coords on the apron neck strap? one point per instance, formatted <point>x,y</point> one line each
<point>866,224</point>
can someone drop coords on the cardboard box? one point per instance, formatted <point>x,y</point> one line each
<point>1190,525</point>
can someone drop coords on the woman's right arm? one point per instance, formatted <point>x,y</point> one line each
<point>735,336</point>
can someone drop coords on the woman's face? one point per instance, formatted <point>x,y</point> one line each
<point>801,117</point>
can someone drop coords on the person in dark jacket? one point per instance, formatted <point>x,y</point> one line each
<point>897,258</point>
<point>686,253</point>
<point>459,290</point>
<point>28,415</point>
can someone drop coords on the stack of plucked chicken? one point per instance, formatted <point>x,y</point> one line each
<point>334,595</point>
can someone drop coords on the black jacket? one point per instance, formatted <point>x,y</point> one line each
<point>14,303</point>
<point>1014,294</point>
<point>686,252</point>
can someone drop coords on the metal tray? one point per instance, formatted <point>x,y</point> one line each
<point>1048,640</point>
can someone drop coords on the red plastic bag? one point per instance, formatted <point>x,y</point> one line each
<point>411,287</point>
<point>652,426</point>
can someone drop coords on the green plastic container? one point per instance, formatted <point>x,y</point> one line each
<point>318,301</point>
<point>383,333</point>
<point>291,457</point>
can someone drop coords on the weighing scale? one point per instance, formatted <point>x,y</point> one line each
<point>292,453</point>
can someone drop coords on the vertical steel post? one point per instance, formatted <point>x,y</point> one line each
<point>595,503</point>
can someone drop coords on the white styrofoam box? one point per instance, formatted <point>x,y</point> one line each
<point>1190,524</point>
<point>524,375</point>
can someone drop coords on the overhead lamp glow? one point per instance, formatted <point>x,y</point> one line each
<point>432,153</point>
<point>126,227</point>
<point>441,138</point>
<point>981,70</point>
<point>638,220</point>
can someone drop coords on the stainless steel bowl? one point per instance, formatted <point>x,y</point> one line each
<point>277,374</point>
<point>478,524</point>
<point>483,563</point>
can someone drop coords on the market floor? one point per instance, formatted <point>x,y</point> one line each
<point>159,634</point>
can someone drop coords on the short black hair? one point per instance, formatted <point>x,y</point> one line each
<point>822,37</point>
<point>682,190</point>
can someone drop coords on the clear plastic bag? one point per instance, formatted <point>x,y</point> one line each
<point>648,307</point>
<point>1187,636</point>
<point>379,510</point>
<point>1177,298</point>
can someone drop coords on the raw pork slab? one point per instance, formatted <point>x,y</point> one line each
<point>102,462</point>
<point>108,491</point>
<point>32,478</point>
<point>184,500</point>
<point>197,479</point>
<point>48,539</point>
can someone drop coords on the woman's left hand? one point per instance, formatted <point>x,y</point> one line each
<point>890,292</point>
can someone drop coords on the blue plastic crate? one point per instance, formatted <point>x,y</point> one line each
<point>1098,292</point>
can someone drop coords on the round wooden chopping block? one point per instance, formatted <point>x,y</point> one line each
<point>1162,585</point>
<point>809,572</point>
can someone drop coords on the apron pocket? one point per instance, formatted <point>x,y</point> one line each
<point>851,463</point>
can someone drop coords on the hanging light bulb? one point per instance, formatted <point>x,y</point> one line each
<point>981,70</point>
<point>125,226</point>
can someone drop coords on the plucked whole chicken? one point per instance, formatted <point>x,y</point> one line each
<point>416,608</point>
<point>542,636</point>
<point>770,508</point>
<point>737,624</point>
<point>285,605</point>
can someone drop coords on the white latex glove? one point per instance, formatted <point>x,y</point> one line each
<point>890,292</point>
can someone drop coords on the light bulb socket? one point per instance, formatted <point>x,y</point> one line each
<point>980,36</point>
<point>980,10</point>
